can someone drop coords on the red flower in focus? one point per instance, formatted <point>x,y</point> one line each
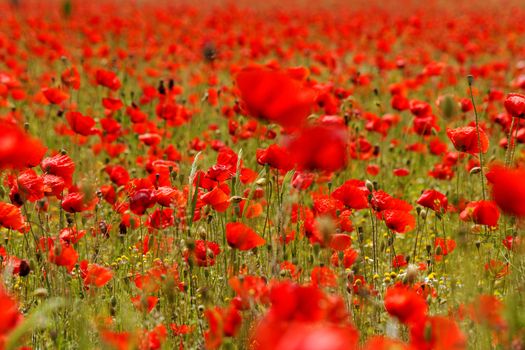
<point>274,96</point>
<point>434,200</point>
<point>11,217</point>
<point>240,236</point>
<point>108,79</point>
<point>508,189</point>
<point>405,304</point>
<point>399,221</point>
<point>353,194</point>
<point>322,148</point>
<point>28,186</point>
<point>59,165</point>
<point>465,139</point>
<point>82,125</point>
<point>17,148</point>
<point>515,105</point>
<point>481,213</point>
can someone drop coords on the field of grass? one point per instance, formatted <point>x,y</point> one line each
<point>290,176</point>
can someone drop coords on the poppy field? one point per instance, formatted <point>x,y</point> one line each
<point>288,175</point>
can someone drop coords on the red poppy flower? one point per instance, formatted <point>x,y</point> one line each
<point>203,253</point>
<point>11,217</point>
<point>63,255</point>
<point>71,78</point>
<point>276,157</point>
<point>59,165</point>
<point>70,235</point>
<point>217,198</point>
<point>399,221</point>
<point>515,105</point>
<point>444,246</point>
<point>323,277</point>
<point>437,333</point>
<point>240,236</point>
<point>488,310</point>
<point>82,125</point>
<point>223,323</point>
<point>118,174</point>
<point>300,336</point>
<point>405,304</point>
<point>340,241</point>
<point>144,303</point>
<point>141,200</point>
<point>17,148</point>
<point>381,200</point>
<point>322,148</point>
<point>481,212</point>
<point>54,185</point>
<point>353,194</point>
<point>95,275</point>
<point>28,186</point>
<point>76,202</point>
<point>54,95</point>
<point>508,189</point>
<point>465,139</point>
<point>10,317</point>
<point>434,200</point>
<point>113,104</point>
<point>274,96</point>
<point>108,79</point>
<point>381,343</point>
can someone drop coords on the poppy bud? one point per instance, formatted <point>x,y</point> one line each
<point>470,79</point>
<point>261,182</point>
<point>236,199</point>
<point>369,185</point>
<point>475,170</point>
<point>428,248</point>
<point>439,250</point>
<point>24,269</point>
